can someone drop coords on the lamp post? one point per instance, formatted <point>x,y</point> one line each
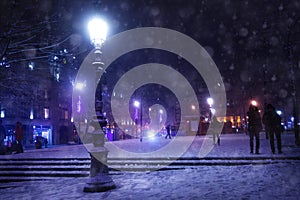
<point>210,102</point>
<point>79,86</point>
<point>137,105</point>
<point>99,181</point>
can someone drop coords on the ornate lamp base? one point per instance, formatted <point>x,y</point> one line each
<point>99,181</point>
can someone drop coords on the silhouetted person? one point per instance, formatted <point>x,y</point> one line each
<point>272,121</point>
<point>168,131</point>
<point>254,127</point>
<point>215,123</point>
<point>19,133</point>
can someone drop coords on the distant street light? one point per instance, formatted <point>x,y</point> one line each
<point>254,103</point>
<point>138,105</point>
<point>279,112</point>
<point>99,181</point>
<point>2,114</point>
<point>210,102</point>
<point>193,107</point>
<point>79,85</point>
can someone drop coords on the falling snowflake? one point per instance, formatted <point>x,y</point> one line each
<point>274,41</point>
<point>264,26</point>
<point>154,11</point>
<point>282,93</point>
<point>243,32</point>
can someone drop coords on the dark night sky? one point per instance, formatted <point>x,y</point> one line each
<point>248,40</point>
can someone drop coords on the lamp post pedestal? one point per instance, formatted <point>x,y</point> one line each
<point>99,181</point>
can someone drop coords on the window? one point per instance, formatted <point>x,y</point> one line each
<point>46,113</point>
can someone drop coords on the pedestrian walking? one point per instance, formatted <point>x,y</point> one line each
<point>254,127</point>
<point>272,121</point>
<point>168,131</point>
<point>2,137</point>
<point>215,125</point>
<point>19,134</point>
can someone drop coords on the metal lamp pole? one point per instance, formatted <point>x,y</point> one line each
<point>210,102</point>
<point>141,136</point>
<point>138,105</point>
<point>99,181</point>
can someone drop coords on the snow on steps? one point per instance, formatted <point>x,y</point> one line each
<point>13,170</point>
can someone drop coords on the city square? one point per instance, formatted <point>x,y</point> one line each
<point>150,99</point>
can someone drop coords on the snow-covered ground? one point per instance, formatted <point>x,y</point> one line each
<point>280,179</point>
<point>272,181</point>
<point>232,145</point>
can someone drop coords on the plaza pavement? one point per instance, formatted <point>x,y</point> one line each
<point>278,179</point>
<point>232,146</point>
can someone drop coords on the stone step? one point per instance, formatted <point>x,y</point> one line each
<point>38,173</point>
<point>44,167</point>
<point>9,179</point>
<point>44,162</point>
<point>126,162</point>
<point>12,170</point>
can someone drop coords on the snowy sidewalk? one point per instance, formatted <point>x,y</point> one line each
<point>232,146</point>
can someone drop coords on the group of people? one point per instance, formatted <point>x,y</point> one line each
<point>19,136</point>
<point>272,122</point>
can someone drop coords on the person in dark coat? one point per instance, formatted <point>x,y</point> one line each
<point>19,133</point>
<point>254,127</point>
<point>216,124</point>
<point>272,121</point>
<point>168,131</point>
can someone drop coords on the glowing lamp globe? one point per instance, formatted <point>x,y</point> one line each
<point>97,30</point>
<point>210,101</point>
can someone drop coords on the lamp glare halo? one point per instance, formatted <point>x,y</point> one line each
<point>97,30</point>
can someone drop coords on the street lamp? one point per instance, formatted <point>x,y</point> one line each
<point>79,86</point>
<point>193,107</point>
<point>279,112</point>
<point>137,105</point>
<point>210,102</point>
<point>2,113</point>
<point>254,103</point>
<point>98,30</point>
<point>99,181</point>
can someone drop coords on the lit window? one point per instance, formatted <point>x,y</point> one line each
<point>78,107</point>
<point>31,114</point>
<point>2,115</point>
<point>46,94</point>
<point>66,114</point>
<point>46,113</point>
